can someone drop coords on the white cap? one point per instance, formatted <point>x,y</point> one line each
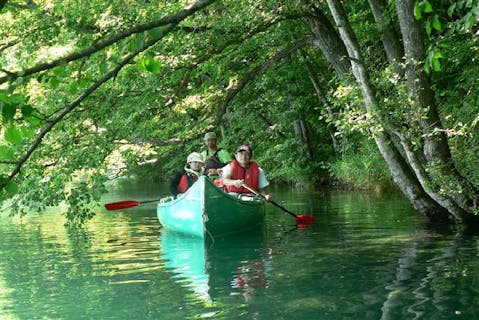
<point>194,156</point>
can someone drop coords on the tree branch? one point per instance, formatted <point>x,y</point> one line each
<point>68,108</point>
<point>171,19</point>
<point>249,76</point>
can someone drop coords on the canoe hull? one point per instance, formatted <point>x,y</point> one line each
<point>205,209</point>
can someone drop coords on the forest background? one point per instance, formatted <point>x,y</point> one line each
<point>360,94</point>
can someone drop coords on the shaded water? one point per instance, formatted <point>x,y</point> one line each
<point>366,257</point>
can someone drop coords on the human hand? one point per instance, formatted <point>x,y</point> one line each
<point>268,198</point>
<point>238,183</point>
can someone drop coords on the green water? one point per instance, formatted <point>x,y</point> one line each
<point>366,257</point>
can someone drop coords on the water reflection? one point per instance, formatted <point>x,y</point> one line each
<point>186,257</point>
<point>234,265</point>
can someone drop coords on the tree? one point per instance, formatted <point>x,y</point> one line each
<point>420,173</point>
<point>95,90</point>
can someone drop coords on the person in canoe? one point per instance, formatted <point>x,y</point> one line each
<point>184,179</point>
<point>214,156</point>
<point>242,171</point>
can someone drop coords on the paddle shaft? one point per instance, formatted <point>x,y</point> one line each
<point>272,201</point>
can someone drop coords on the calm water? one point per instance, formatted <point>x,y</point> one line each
<point>367,257</point>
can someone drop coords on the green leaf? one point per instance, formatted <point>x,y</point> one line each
<point>8,112</point>
<point>150,65</point>
<point>426,68</point>
<point>13,135</point>
<point>428,27</point>
<point>27,110</point>
<point>155,66</point>
<point>470,20</point>
<point>155,32</point>
<point>54,82</point>
<point>417,11</point>
<point>451,9</point>
<point>11,188</point>
<point>438,54</point>
<point>3,96</point>
<point>33,121</point>
<point>436,24</point>
<point>59,71</point>
<point>427,7</point>
<point>436,65</point>
<point>73,88</point>
<point>27,132</point>
<point>7,153</point>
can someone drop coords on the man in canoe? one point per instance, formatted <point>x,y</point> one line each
<point>184,179</point>
<point>242,173</point>
<point>214,157</point>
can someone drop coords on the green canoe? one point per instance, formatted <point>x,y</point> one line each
<point>205,209</point>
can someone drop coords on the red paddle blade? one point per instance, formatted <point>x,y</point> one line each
<point>304,220</point>
<point>121,205</point>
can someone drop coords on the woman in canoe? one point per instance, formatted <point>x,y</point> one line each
<point>242,171</point>
<point>184,179</point>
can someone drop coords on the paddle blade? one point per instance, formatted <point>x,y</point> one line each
<point>121,205</point>
<point>304,220</point>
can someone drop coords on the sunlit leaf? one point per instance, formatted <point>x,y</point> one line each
<point>436,64</point>
<point>73,88</point>
<point>436,24</point>
<point>33,120</point>
<point>428,27</point>
<point>154,66</point>
<point>54,82</point>
<point>59,71</point>
<point>13,135</point>
<point>3,96</point>
<point>150,65</point>
<point>7,153</point>
<point>427,7</point>
<point>417,11</point>
<point>438,54</point>
<point>27,132</point>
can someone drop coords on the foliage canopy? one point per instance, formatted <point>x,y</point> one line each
<point>91,91</point>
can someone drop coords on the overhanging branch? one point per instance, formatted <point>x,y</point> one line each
<point>252,74</point>
<point>168,20</point>
<point>71,106</point>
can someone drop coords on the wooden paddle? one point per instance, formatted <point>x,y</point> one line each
<point>126,204</point>
<point>301,220</point>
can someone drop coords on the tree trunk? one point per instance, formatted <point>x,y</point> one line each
<point>322,100</point>
<point>419,87</point>
<point>327,39</point>
<point>401,173</point>
<point>435,147</point>
<point>389,36</point>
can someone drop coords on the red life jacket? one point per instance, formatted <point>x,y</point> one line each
<point>185,183</point>
<point>250,176</point>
